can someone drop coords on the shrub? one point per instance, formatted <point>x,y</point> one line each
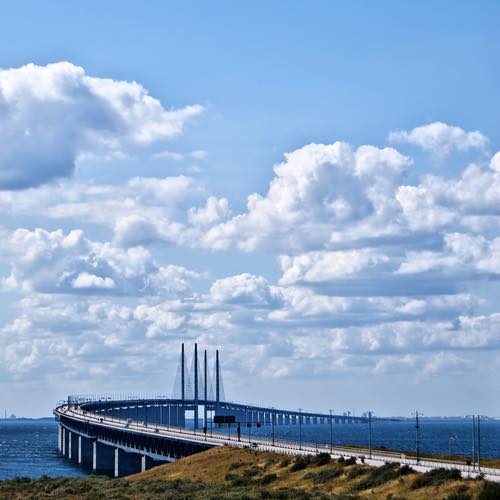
<point>268,478</point>
<point>269,463</point>
<point>490,491</point>
<point>350,461</point>
<point>459,496</point>
<point>323,476</point>
<point>405,469</point>
<point>236,480</point>
<point>235,465</point>
<point>435,477</point>
<point>300,463</point>
<point>379,475</point>
<point>285,462</point>
<point>321,459</point>
<point>356,471</point>
<point>251,472</point>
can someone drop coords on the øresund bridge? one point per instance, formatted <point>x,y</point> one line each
<point>119,436</point>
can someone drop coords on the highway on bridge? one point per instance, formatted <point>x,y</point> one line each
<point>74,413</point>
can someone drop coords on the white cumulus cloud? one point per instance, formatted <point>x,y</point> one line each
<point>50,115</point>
<point>441,139</point>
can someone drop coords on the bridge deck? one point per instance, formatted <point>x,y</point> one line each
<point>212,405</point>
<point>76,414</point>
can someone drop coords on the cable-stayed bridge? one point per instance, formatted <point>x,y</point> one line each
<point>122,435</point>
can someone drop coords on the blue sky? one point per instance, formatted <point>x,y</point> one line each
<point>361,274</point>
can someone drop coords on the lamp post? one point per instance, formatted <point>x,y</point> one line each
<point>473,417</point>
<point>370,434</point>
<point>479,417</point>
<point>273,416</point>
<point>331,431</point>
<point>417,434</point>
<point>300,428</point>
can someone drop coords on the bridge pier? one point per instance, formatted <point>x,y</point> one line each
<point>126,463</point>
<point>85,452</point>
<point>63,441</point>
<point>73,442</point>
<point>70,443</point>
<point>59,438</point>
<point>103,459</point>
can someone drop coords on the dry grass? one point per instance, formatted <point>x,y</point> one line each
<point>228,473</point>
<point>245,467</point>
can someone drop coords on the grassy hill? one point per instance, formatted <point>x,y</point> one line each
<point>250,474</point>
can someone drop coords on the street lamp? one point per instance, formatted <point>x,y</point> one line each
<point>370,434</point>
<point>331,431</point>
<point>473,417</point>
<point>300,428</point>
<point>417,434</point>
<point>479,417</point>
<point>273,416</point>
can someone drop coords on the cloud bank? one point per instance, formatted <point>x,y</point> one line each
<point>373,273</point>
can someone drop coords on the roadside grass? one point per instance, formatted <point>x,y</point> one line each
<point>228,473</point>
<point>381,475</point>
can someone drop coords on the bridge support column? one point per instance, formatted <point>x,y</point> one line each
<point>94,456</point>
<point>143,463</point>
<point>63,445</point>
<point>103,459</point>
<point>59,439</point>
<point>117,462</point>
<point>85,452</point>
<point>72,445</point>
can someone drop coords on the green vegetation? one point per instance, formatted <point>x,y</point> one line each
<point>356,471</point>
<point>321,459</point>
<point>435,477</point>
<point>300,463</point>
<point>228,473</point>
<point>490,491</point>
<point>97,488</point>
<point>323,476</point>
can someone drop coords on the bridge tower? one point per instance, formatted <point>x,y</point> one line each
<point>217,375</point>
<point>196,386</point>
<point>183,365</point>
<point>205,392</point>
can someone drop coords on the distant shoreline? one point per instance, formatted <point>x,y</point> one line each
<point>29,419</point>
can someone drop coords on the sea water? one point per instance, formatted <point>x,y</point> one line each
<point>28,448</point>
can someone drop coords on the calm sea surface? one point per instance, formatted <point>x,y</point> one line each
<point>29,448</point>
